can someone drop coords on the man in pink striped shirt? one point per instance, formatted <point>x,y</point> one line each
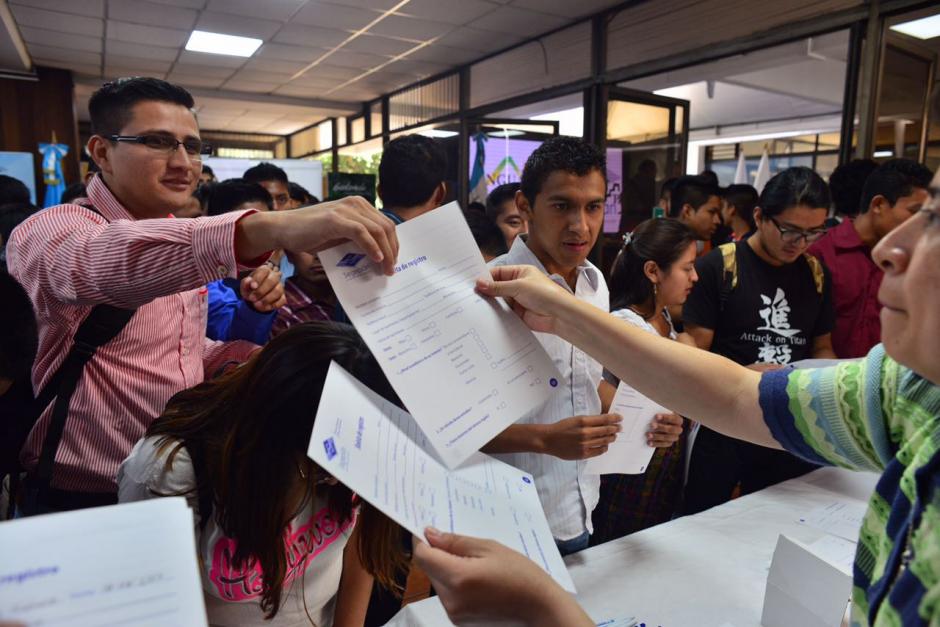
<point>132,254</point>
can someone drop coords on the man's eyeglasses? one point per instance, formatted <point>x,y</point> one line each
<point>793,236</point>
<point>195,148</point>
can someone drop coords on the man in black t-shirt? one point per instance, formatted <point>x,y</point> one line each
<point>761,302</point>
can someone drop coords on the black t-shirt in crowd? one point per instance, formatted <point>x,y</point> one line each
<point>773,315</point>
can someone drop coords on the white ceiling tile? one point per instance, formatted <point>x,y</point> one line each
<point>423,68</point>
<point>353,94</point>
<point>87,70</point>
<point>53,20</point>
<point>90,8</point>
<point>410,28</point>
<point>315,82</point>
<point>334,16</point>
<point>378,5</point>
<point>286,128</point>
<point>299,91</point>
<point>140,65</point>
<point>261,76</point>
<point>313,36</point>
<point>280,10</point>
<point>457,12</point>
<point>45,37</point>
<point>325,70</point>
<point>280,66</point>
<point>123,48</point>
<point>237,25</point>
<point>566,8</point>
<point>374,44</point>
<point>517,22</point>
<point>208,71</point>
<point>362,60</point>
<point>479,40</point>
<point>251,86</point>
<point>140,12</point>
<point>195,80</point>
<point>64,54</point>
<point>117,71</point>
<point>444,54</point>
<point>210,60</point>
<point>289,53</point>
<point>148,35</point>
<point>188,4</point>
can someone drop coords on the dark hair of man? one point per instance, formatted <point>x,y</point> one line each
<point>710,176</point>
<point>300,194</point>
<point>73,191</point>
<point>661,240</point>
<point>668,186</point>
<point>846,183</point>
<point>11,215</point>
<point>691,190</point>
<point>203,193</point>
<point>566,154</point>
<point>249,450</point>
<point>228,195</point>
<point>18,333</point>
<point>12,190</point>
<point>476,207</point>
<point>490,240</point>
<point>412,167</point>
<point>265,171</point>
<point>207,170</point>
<point>743,198</point>
<point>794,187</point>
<point>110,108</point>
<point>500,195</point>
<point>895,179</point>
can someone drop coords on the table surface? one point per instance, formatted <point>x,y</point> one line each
<point>708,570</point>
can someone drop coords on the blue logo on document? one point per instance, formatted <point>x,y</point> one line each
<point>527,480</point>
<point>553,382</point>
<point>350,260</point>
<point>330,448</point>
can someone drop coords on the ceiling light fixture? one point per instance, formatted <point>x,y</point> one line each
<point>436,132</point>
<point>882,154</point>
<point>217,43</point>
<point>924,28</point>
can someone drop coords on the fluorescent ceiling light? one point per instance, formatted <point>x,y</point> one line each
<point>436,132</point>
<point>924,28</point>
<point>506,132</point>
<point>879,154</point>
<point>217,43</point>
<point>714,141</point>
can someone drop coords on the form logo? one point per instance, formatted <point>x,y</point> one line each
<point>553,382</point>
<point>350,260</point>
<point>330,448</point>
<point>527,480</point>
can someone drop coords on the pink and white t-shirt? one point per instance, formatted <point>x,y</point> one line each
<point>314,542</point>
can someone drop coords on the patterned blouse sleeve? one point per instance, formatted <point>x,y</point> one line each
<point>840,415</point>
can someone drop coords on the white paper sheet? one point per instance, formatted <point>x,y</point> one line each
<point>131,564</point>
<point>378,451</point>
<point>629,454</point>
<point>840,518</point>
<point>465,366</point>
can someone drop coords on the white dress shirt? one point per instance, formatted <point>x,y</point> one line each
<point>568,495</point>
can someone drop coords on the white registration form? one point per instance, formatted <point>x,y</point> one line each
<point>378,451</point>
<point>629,454</point>
<point>131,564</point>
<point>464,365</point>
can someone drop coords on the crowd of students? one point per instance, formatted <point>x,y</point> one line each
<point>144,355</point>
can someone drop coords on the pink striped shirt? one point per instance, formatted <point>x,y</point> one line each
<point>69,259</point>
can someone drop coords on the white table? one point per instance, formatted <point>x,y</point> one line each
<point>707,570</point>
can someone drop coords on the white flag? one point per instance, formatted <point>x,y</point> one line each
<point>763,172</point>
<point>740,175</point>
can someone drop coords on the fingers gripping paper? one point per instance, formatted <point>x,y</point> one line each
<point>464,365</point>
<point>378,451</point>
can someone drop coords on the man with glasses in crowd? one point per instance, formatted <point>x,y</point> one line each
<point>761,302</point>
<point>122,247</point>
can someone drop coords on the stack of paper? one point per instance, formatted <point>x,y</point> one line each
<point>629,454</point>
<point>464,365</point>
<point>378,451</point>
<point>131,564</point>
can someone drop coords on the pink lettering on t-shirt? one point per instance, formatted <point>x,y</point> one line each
<point>301,545</point>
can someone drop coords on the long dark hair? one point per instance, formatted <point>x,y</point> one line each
<point>661,240</point>
<point>247,434</point>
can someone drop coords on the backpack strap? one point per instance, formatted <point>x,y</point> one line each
<point>102,324</point>
<point>729,278</point>
<point>819,275</point>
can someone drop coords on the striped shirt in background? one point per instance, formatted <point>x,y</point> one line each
<point>877,416</point>
<point>69,259</point>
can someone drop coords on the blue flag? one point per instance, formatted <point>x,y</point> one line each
<point>52,155</point>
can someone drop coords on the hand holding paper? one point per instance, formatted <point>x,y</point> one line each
<point>630,453</point>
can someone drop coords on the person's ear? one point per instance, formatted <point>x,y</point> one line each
<point>758,215</point>
<point>440,194</point>
<point>651,270</point>
<point>879,205</point>
<point>522,204</point>
<point>99,149</point>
